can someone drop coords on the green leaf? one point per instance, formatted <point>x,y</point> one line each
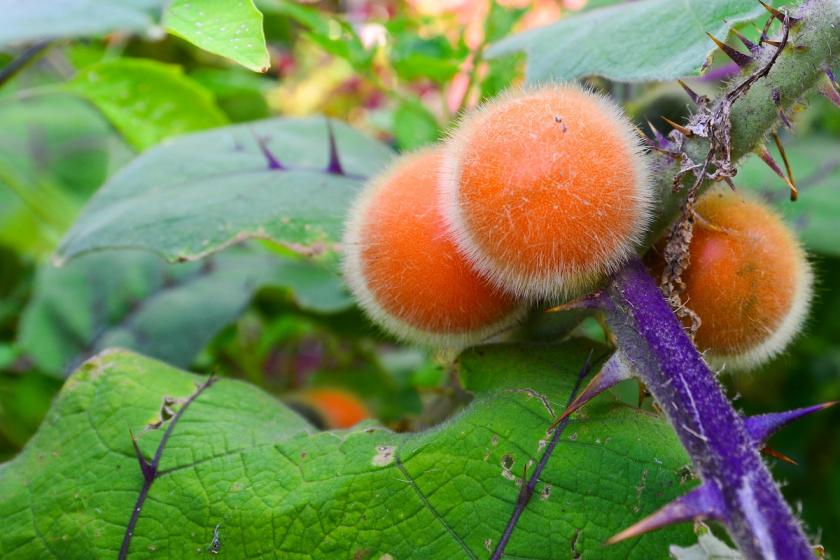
<point>134,300</point>
<point>54,152</point>
<point>332,34</point>
<point>631,42</point>
<point>146,101</point>
<point>199,193</point>
<point>501,72</point>
<point>230,28</point>
<point>241,94</point>
<point>313,287</point>
<point>414,126</point>
<point>816,166</point>
<point>415,57</point>
<point>24,401</point>
<point>53,19</point>
<point>60,138</point>
<point>500,21</point>
<point>240,462</point>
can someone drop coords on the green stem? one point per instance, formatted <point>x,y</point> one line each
<point>814,44</point>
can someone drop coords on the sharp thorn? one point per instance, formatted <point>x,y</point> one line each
<point>752,47</point>
<point>334,165</point>
<point>739,58</point>
<point>729,182</point>
<point>770,452</point>
<point>273,162</point>
<point>777,101</point>
<point>767,158</point>
<point>830,75</point>
<point>781,16</point>
<point>765,30</point>
<point>658,136</point>
<point>643,395</point>
<point>704,502</point>
<point>592,301</point>
<point>794,192</point>
<point>145,467</point>
<point>691,93</point>
<point>777,44</point>
<point>614,371</point>
<point>659,143</point>
<point>783,117</point>
<point>723,72</point>
<point>646,140</point>
<point>666,151</point>
<point>682,129</point>
<point>763,426</point>
<point>830,92</point>
<point>762,32</point>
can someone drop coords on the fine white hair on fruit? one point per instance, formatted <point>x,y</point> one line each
<point>555,277</point>
<point>445,335</point>
<point>787,330</point>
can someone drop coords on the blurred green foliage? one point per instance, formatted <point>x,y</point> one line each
<point>111,83</point>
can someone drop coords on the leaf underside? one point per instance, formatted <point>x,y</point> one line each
<point>133,299</point>
<point>640,41</point>
<point>196,194</point>
<point>53,19</point>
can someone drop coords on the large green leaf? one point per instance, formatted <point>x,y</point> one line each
<point>145,100</point>
<point>25,21</point>
<point>816,165</point>
<point>133,299</point>
<point>231,28</point>
<point>239,463</point>
<point>632,42</point>
<point>196,194</point>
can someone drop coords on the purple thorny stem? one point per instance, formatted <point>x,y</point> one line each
<point>737,489</point>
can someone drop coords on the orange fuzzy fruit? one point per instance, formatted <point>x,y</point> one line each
<point>748,280</point>
<point>546,190</point>
<point>338,409</point>
<point>404,268</point>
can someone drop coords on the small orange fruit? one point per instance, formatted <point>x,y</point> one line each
<point>546,190</point>
<point>403,266</point>
<point>748,280</point>
<point>338,409</point>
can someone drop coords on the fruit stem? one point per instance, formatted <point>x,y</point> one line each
<point>724,454</point>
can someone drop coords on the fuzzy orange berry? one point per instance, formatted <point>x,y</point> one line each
<point>546,190</point>
<point>404,268</point>
<point>337,408</point>
<point>748,280</point>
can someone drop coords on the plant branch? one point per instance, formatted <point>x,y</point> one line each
<point>150,469</point>
<point>11,69</point>
<point>813,44</point>
<point>527,491</point>
<point>738,489</point>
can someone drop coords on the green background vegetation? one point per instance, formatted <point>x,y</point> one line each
<point>191,250</point>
